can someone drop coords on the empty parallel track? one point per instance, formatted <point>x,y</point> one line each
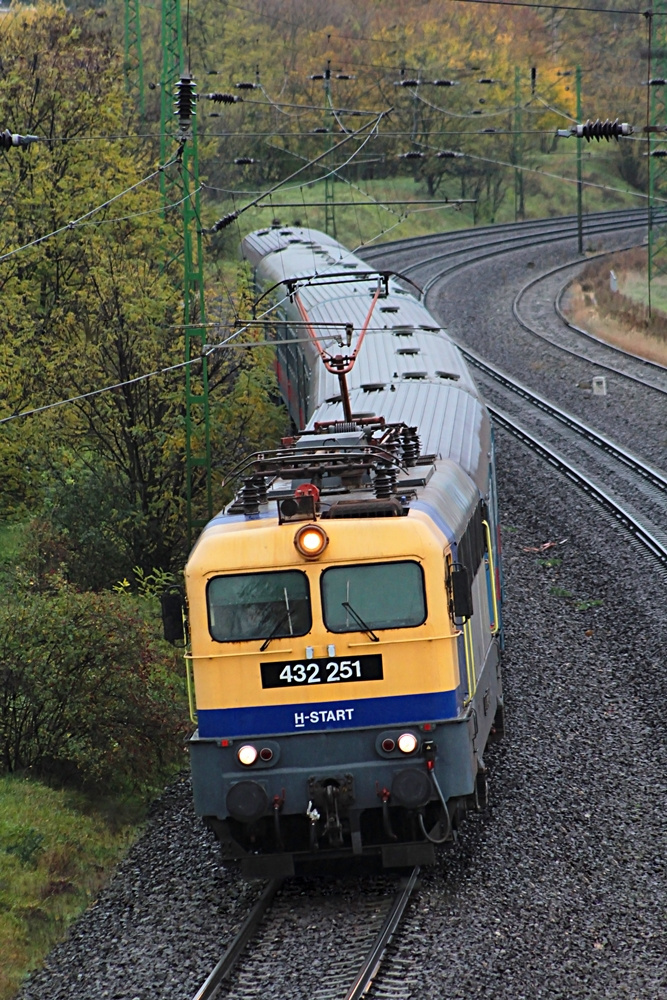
<point>631,489</point>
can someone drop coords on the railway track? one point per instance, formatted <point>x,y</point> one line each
<point>537,305</point>
<point>560,312</point>
<point>534,307</point>
<point>632,490</point>
<point>438,257</point>
<point>343,968</point>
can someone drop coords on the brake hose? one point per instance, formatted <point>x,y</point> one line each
<point>435,840</point>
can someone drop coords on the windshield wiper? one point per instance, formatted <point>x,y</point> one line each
<point>287,617</point>
<point>274,631</point>
<point>359,620</point>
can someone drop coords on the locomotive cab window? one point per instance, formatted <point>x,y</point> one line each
<point>380,595</point>
<point>247,606</point>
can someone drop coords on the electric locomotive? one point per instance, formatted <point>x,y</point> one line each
<point>344,610</point>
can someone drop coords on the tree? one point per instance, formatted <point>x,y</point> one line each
<point>99,304</point>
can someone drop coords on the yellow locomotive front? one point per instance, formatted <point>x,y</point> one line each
<point>335,704</point>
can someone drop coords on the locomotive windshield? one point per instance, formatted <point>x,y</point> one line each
<point>381,595</point>
<point>248,606</point>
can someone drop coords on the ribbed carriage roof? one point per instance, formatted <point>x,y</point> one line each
<point>257,245</point>
<point>452,423</point>
<point>399,323</point>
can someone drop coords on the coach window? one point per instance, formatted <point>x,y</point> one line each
<point>375,596</point>
<point>247,606</point>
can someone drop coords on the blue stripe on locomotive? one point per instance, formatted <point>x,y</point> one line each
<point>326,715</point>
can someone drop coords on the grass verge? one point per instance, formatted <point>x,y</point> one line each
<point>56,850</point>
<point>621,317</point>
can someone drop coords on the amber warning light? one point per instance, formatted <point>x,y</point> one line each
<point>311,541</point>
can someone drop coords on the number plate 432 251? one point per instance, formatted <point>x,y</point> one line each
<point>297,673</point>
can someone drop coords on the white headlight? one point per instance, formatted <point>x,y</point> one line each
<point>247,754</point>
<point>407,743</point>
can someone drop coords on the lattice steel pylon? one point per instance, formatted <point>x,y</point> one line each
<point>657,164</point>
<point>183,189</point>
<point>173,63</point>
<point>134,60</point>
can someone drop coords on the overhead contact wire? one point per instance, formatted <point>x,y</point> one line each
<point>74,223</point>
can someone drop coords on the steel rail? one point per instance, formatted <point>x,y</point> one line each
<point>478,232</point>
<point>531,234</point>
<point>586,333</point>
<point>569,350</point>
<point>501,246</point>
<point>248,928</point>
<point>371,965</point>
<point>622,455</point>
<point>583,482</point>
<point>369,968</point>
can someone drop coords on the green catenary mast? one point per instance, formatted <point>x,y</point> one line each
<point>134,62</point>
<point>178,94</point>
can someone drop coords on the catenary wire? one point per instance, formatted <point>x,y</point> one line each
<point>175,367</point>
<point>75,223</point>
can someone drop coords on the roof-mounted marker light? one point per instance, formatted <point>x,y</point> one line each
<point>311,541</point>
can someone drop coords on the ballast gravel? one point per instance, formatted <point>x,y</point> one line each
<point>559,891</point>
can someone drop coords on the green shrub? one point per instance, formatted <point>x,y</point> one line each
<point>86,522</point>
<point>88,694</point>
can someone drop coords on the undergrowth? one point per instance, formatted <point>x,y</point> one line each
<point>56,850</point>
